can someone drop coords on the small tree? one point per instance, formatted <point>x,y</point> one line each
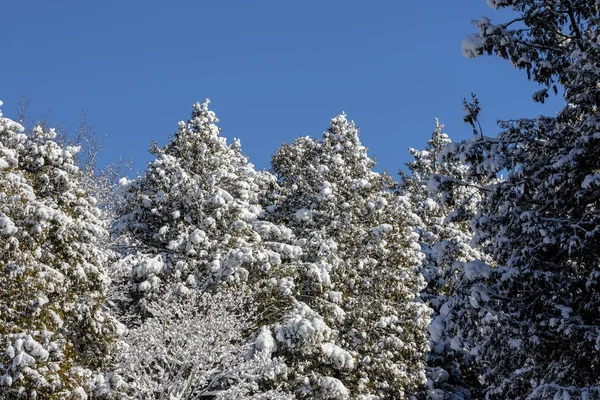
<point>193,347</point>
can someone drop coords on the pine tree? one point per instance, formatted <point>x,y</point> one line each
<point>536,334</point>
<point>192,223</point>
<point>444,231</point>
<point>360,274</point>
<point>54,333</point>
<point>194,215</point>
<point>445,237</point>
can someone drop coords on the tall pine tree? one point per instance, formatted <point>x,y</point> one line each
<point>537,331</point>
<point>191,223</point>
<point>360,257</point>
<point>194,215</point>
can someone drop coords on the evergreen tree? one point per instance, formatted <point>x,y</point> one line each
<point>192,223</point>
<point>445,237</point>
<point>360,260</point>
<point>555,42</point>
<point>445,232</point>
<point>194,215</point>
<point>536,334</point>
<point>54,332</point>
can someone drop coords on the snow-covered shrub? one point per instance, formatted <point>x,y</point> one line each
<point>192,347</point>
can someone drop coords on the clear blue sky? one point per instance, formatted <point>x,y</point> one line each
<point>274,70</point>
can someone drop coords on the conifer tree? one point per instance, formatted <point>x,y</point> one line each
<point>444,231</point>
<point>360,274</point>
<point>536,331</point>
<point>54,333</point>
<point>191,222</point>
<point>445,237</point>
<point>194,215</point>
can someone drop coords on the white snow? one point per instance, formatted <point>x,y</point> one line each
<point>382,229</point>
<point>333,388</point>
<point>304,214</point>
<point>472,45</point>
<point>590,181</point>
<point>340,358</point>
<point>149,266</point>
<point>198,236</point>
<point>6,225</point>
<point>265,342</point>
<point>477,269</point>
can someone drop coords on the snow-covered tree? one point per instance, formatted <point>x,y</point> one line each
<point>536,334</point>
<point>555,42</point>
<point>54,332</point>
<point>445,232</point>
<point>99,181</point>
<point>360,333</point>
<point>193,347</point>
<point>445,237</point>
<point>192,223</point>
<point>194,215</point>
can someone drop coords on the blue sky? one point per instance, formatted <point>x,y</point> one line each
<point>274,70</point>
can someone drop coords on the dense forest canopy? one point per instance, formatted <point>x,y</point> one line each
<point>472,275</point>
